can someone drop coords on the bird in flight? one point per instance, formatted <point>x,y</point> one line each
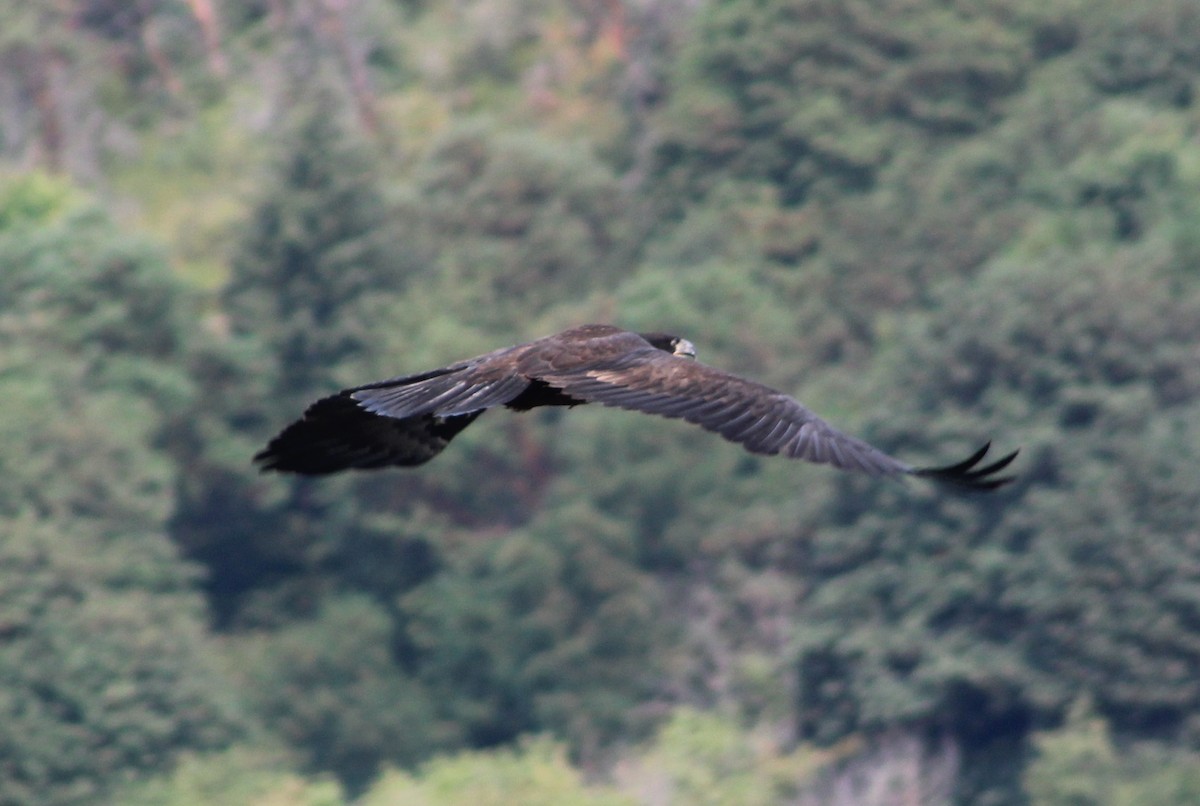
<point>407,421</point>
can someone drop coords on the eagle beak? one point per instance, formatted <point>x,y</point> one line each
<point>685,348</point>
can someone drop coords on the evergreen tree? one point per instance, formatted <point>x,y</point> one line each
<point>316,290</point>
<point>330,687</point>
<point>814,98</point>
<point>104,662</point>
<point>984,618</point>
<point>546,628</point>
<point>1080,762</point>
<point>517,223</point>
<point>316,255</point>
<point>318,245</point>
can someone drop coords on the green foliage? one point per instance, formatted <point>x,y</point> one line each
<point>104,663</point>
<point>317,254</point>
<point>243,775</point>
<point>515,223</point>
<point>93,327</point>
<point>931,220</point>
<point>819,98</point>
<point>1079,764</point>
<point>192,187</point>
<point>330,686</point>
<point>519,223</point>
<point>1147,50</point>
<point>988,616</point>
<point>536,773</point>
<point>33,199</point>
<point>550,627</point>
<point>854,188</point>
<point>703,759</point>
<point>104,657</point>
<point>317,245</point>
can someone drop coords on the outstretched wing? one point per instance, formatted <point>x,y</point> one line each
<point>402,422</point>
<point>760,418</point>
<point>509,376</point>
<point>464,388</point>
<point>337,434</point>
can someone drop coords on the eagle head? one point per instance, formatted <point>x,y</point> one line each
<point>671,344</point>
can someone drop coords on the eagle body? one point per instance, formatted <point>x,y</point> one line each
<point>408,420</point>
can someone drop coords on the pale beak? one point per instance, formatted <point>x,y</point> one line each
<point>685,348</point>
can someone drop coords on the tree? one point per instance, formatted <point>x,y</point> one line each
<point>813,98</point>
<point>517,222</point>
<point>984,618</point>
<point>330,687</point>
<point>548,627</point>
<point>104,659</point>
<point>104,662</point>
<point>318,244</point>
<point>318,252</point>
<point>1080,763</point>
<point>248,772</point>
<point>535,773</point>
<point>709,760</point>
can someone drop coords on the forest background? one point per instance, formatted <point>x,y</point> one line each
<point>933,220</point>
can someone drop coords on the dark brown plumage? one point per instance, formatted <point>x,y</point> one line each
<point>407,421</point>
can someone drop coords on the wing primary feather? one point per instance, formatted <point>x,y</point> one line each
<point>817,450</point>
<point>778,439</point>
<point>814,448</point>
<point>743,432</point>
<point>797,448</point>
<point>628,397</point>
<point>484,397</point>
<point>441,396</point>
<point>444,396</point>
<point>759,440</point>
<point>706,411</point>
<point>836,457</point>
<point>965,475</point>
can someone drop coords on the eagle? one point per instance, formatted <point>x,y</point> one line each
<point>408,420</point>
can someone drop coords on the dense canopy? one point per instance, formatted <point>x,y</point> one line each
<point>931,220</point>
